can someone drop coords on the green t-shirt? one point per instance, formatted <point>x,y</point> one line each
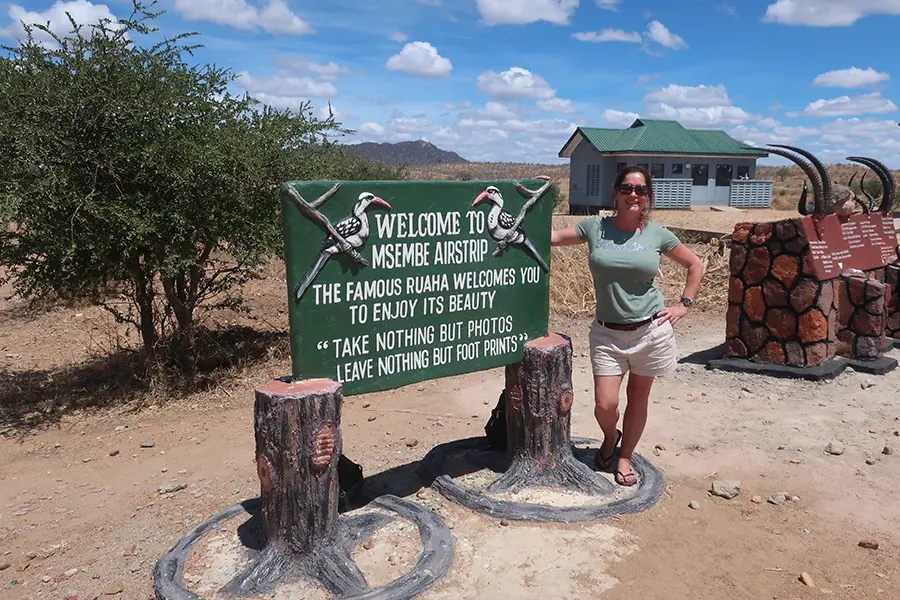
<point>624,265</point>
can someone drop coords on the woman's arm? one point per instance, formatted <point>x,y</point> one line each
<point>565,237</point>
<point>690,261</point>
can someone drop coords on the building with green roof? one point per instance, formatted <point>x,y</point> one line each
<point>690,167</point>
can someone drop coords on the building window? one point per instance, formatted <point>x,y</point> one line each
<point>678,169</point>
<point>700,174</point>
<point>744,172</point>
<point>593,180</point>
<point>620,167</point>
<point>724,175</point>
<point>656,170</point>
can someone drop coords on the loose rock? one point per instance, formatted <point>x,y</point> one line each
<point>835,448</point>
<point>807,580</point>
<point>887,451</point>
<point>756,500</point>
<point>778,499</point>
<point>112,589</point>
<point>367,404</point>
<point>727,489</point>
<point>866,384</point>
<point>871,461</point>
<point>368,544</point>
<point>694,505</point>
<point>114,453</point>
<point>171,488</point>
<point>412,443</point>
<point>372,418</point>
<point>504,523</point>
<point>148,444</point>
<point>869,544</point>
<point>4,566</point>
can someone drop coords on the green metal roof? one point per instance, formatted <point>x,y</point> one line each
<point>649,136</point>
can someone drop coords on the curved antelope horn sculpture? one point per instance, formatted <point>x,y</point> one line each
<point>801,205</point>
<point>828,199</point>
<point>887,181</point>
<point>862,187</point>
<point>818,196</point>
<point>852,177</point>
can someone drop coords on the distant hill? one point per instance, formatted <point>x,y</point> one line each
<point>410,153</point>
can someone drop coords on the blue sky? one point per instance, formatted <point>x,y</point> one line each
<point>509,80</point>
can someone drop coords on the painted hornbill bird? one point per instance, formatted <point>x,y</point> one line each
<point>354,228</point>
<point>500,222</point>
<point>831,197</point>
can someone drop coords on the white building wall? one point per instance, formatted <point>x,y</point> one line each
<point>702,195</point>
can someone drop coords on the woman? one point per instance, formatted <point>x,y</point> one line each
<point>633,329</point>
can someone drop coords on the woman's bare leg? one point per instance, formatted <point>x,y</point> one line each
<point>638,394</point>
<point>606,409</point>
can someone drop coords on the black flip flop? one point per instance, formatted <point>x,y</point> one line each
<point>605,463</point>
<point>623,482</point>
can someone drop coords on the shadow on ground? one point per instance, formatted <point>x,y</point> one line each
<point>32,400</point>
<point>702,357</point>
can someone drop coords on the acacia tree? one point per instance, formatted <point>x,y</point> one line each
<point>127,170</point>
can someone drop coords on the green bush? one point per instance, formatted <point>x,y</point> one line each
<point>130,171</point>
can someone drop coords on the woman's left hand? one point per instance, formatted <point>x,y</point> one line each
<point>673,314</point>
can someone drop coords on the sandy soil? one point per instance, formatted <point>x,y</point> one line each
<point>81,513</point>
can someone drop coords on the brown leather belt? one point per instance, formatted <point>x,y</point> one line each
<point>628,326</point>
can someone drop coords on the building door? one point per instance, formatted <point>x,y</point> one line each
<point>702,191</point>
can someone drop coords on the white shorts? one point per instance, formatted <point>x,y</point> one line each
<point>649,350</point>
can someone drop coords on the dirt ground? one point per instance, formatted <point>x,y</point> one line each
<point>80,512</point>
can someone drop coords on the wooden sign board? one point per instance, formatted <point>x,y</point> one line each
<point>864,241</point>
<point>417,292</point>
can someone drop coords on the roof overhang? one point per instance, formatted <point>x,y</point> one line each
<point>575,139</point>
<point>685,155</point>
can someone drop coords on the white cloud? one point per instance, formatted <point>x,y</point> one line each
<point>827,13</point>
<point>660,34</point>
<point>330,71</point>
<point>515,83</point>
<point>421,59</point>
<point>556,105</point>
<point>608,35</point>
<point>608,4</point>
<point>521,12</point>
<point>493,110</point>
<point>697,96</point>
<point>851,78</point>
<point>707,117</point>
<point>372,130</point>
<point>478,123</point>
<point>770,131</point>
<point>286,87</point>
<point>85,13</point>
<point>846,105</point>
<point>275,17</point>
<point>417,124</point>
<point>619,119</point>
<point>399,37</point>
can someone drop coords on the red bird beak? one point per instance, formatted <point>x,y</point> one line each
<point>480,197</point>
<point>381,202</point>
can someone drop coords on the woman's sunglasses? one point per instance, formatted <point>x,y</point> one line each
<point>627,188</point>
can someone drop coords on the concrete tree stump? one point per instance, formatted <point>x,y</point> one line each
<point>296,530</point>
<point>540,452</point>
<point>538,421</point>
<point>298,443</point>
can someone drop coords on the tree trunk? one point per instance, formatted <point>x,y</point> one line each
<point>143,297</point>
<point>538,410</point>
<point>298,443</point>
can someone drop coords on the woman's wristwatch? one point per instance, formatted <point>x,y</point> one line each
<point>687,302</point>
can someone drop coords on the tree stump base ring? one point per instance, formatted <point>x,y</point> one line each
<point>649,489</point>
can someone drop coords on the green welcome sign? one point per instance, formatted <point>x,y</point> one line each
<point>394,282</point>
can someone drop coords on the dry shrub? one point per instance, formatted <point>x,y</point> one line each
<point>572,289</point>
